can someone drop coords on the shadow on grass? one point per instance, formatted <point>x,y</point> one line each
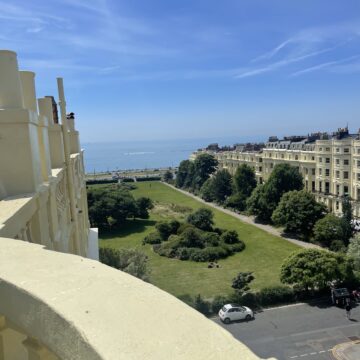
<point>127,228</point>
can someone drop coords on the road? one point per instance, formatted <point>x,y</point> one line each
<point>297,332</point>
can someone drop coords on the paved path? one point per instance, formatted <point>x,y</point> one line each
<point>247,219</point>
<point>301,332</point>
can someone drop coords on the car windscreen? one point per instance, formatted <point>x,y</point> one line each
<point>224,308</point>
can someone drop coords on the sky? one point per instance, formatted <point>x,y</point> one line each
<point>160,69</point>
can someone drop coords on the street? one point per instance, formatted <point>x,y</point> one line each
<point>297,331</point>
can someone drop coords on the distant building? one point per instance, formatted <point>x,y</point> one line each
<point>329,163</point>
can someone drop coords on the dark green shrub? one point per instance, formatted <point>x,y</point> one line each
<point>201,305</point>
<point>276,295</point>
<point>101,181</point>
<point>234,248</point>
<point>236,201</point>
<point>218,302</point>
<point>202,218</point>
<point>218,230</point>
<point>164,229</point>
<point>183,227</point>
<point>230,237</point>
<point>198,256</point>
<point>249,299</point>
<point>152,238</point>
<point>211,238</point>
<point>148,178</point>
<point>192,237</point>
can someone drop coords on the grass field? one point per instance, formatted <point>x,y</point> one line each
<point>263,254</point>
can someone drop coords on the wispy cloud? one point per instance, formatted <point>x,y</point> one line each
<point>326,65</point>
<point>306,44</point>
<point>281,63</point>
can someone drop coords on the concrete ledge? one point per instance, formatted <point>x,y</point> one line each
<point>82,309</point>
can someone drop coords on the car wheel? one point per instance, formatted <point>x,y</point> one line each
<point>248,317</point>
<point>227,321</point>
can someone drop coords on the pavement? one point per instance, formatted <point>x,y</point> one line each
<point>248,219</point>
<point>347,351</point>
<point>301,332</point>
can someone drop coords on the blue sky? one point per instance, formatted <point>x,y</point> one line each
<point>160,69</point>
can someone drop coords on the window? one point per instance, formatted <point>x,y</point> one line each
<point>337,161</point>
<point>358,163</point>
<point>346,190</point>
<point>271,165</point>
<point>327,160</point>
<point>346,162</point>
<point>327,149</point>
<point>260,168</point>
<point>327,187</point>
<point>296,157</point>
<point>337,174</point>
<point>313,158</point>
<point>320,160</point>
<point>320,186</point>
<point>346,150</point>
<point>313,171</point>
<point>320,171</point>
<point>346,174</point>
<point>320,149</point>
<point>358,194</point>
<point>327,172</point>
<point>337,150</point>
<point>313,185</point>
<point>260,160</point>
<point>358,150</point>
<point>306,185</point>
<point>306,171</point>
<point>282,156</point>
<point>337,189</point>
<point>358,177</point>
<point>337,205</point>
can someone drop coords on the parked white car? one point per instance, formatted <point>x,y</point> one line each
<point>234,312</point>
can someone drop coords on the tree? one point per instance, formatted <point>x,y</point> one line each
<point>244,180</point>
<point>315,269</point>
<point>202,219</point>
<point>167,228</point>
<point>257,204</point>
<point>204,166</point>
<point>298,211</point>
<point>189,180</point>
<point>143,204</point>
<point>207,190</point>
<point>131,261</point>
<point>221,185</point>
<point>168,176</point>
<point>110,202</point>
<point>353,250</point>
<point>328,229</point>
<point>241,282</point>
<point>264,199</point>
<point>182,173</point>
<point>347,229</point>
<point>236,201</point>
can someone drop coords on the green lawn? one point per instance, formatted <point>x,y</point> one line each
<point>263,254</point>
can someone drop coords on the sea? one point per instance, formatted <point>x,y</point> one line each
<point>133,155</point>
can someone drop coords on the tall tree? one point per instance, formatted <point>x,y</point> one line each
<point>244,180</point>
<point>353,251</point>
<point>205,165</point>
<point>264,200</point>
<point>347,227</point>
<point>182,173</point>
<point>298,211</point>
<point>221,185</point>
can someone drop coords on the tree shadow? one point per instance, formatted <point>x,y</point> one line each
<point>127,228</point>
